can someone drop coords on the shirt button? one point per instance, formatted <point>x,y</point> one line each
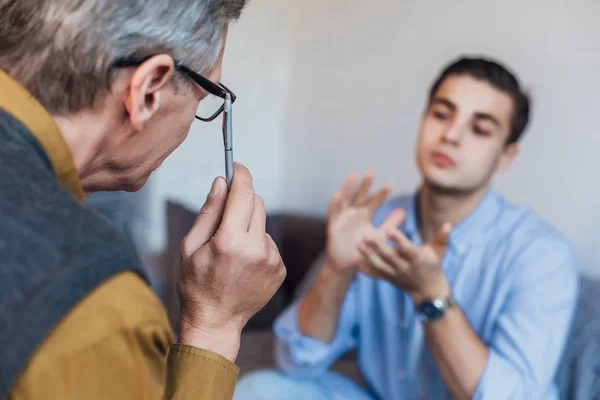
<point>402,375</point>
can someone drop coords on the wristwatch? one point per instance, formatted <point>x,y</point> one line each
<point>430,310</point>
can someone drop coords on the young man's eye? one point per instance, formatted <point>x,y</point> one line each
<point>440,115</point>
<point>480,131</point>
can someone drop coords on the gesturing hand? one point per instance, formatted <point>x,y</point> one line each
<point>415,269</point>
<point>349,219</point>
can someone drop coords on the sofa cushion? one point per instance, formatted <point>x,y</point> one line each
<point>578,377</point>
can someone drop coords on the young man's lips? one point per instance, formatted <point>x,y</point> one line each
<point>442,159</point>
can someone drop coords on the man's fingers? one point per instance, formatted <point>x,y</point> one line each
<point>386,252</point>
<point>362,192</point>
<point>335,204</point>
<point>404,246</point>
<point>275,250</point>
<point>258,224</point>
<point>240,202</point>
<point>209,217</point>
<point>347,188</point>
<point>376,200</point>
<point>393,220</point>
<point>272,243</point>
<point>372,264</point>
<point>440,241</point>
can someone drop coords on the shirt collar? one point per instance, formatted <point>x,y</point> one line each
<point>16,100</point>
<point>465,230</point>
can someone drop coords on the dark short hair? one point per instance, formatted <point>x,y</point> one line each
<point>499,77</point>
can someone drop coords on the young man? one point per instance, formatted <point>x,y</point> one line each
<point>471,297</point>
<point>94,95</point>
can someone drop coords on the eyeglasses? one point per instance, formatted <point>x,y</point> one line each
<point>209,107</point>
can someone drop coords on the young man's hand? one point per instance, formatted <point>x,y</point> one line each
<point>349,217</point>
<point>415,269</point>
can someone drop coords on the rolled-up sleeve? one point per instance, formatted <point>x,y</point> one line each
<point>304,356</point>
<point>530,335</point>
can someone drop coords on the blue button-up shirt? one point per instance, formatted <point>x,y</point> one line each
<point>514,277</point>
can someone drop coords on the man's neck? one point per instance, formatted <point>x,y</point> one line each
<point>437,207</point>
<point>85,134</point>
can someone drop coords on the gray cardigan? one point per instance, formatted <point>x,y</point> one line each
<point>53,251</point>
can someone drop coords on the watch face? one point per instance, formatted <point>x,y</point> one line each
<point>431,310</point>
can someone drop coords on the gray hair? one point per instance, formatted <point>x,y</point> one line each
<point>63,51</point>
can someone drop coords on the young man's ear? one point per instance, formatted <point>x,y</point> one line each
<point>508,156</point>
<point>148,79</point>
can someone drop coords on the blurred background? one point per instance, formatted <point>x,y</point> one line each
<point>325,87</point>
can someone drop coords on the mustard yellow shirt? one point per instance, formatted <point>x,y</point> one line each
<point>117,342</point>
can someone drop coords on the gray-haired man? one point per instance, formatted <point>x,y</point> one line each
<point>94,95</point>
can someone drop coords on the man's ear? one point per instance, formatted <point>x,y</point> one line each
<point>508,156</point>
<point>148,79</point>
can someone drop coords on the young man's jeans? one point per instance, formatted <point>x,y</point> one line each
<point>274,385</point>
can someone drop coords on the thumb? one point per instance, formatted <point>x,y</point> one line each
<point>393,220</point>
<point>440,241</point>
<point>209,217</point>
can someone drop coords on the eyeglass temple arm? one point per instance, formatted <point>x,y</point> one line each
<point>206,84</point>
